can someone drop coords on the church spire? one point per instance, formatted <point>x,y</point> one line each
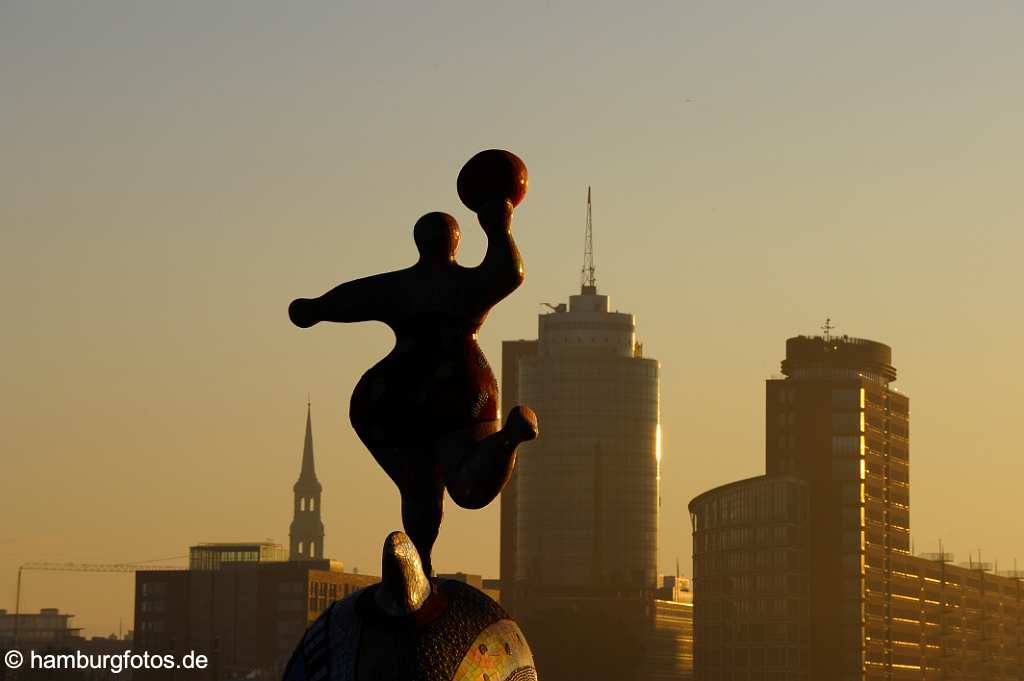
<point>306,534</point>
<point>308,472</point>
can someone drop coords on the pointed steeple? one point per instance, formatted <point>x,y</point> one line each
<point>306,535</point>
<point>307,476</point>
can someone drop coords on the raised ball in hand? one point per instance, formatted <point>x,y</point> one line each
<point>492,175</point>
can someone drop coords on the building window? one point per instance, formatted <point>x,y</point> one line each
<point>154,588</point>
<point>843,445</point>
<point>853,493</point>
<point>302,503</point>
<point>846,397</point>
<point>847,422</point>
<point>847,469</point>
<point>312,504</point>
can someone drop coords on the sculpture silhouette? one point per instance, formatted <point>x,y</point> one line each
<point>428,411</point>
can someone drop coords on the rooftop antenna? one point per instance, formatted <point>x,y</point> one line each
<point>828,329</point>
<point>588,277</point>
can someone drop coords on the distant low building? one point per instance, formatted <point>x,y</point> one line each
<point>211,556</point>
<point>48,626</point>
<point>244,605</point>
<point>626,635</point>
<point>491,587</point>
<point>246,617</point>
<point>670,651</point>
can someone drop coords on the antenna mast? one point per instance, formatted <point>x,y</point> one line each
<point>828,329</point>
<point>589,280</point>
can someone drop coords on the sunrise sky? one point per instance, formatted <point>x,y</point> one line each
<point>172,174</point>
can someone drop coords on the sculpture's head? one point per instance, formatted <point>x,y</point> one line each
<point>437,237</point>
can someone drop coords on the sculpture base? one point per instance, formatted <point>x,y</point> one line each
<point>460,634</point>
<point>408,629</point>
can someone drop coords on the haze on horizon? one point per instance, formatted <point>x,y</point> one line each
<point>173,174</point>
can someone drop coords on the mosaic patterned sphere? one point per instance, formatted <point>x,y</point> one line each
<point>459,634</point>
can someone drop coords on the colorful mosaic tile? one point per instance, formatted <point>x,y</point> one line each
<point>496,654</point>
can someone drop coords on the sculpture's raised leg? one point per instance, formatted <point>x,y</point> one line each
<point>474,464</point>
<point>478,461</point>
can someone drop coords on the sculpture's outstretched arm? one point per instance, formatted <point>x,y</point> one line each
<point>360,300</point>
<point>501,270</point>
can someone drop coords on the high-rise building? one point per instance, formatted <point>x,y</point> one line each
<point>806,573</point>
<point>511,354</point>
<point>836,400</point>
<point>579,518</point>
<point>306,535</point>
<point>582,511</point>
<point>586,513</point>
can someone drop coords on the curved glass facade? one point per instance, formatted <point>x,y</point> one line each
<point>587,489</point>
<point>750,580</point>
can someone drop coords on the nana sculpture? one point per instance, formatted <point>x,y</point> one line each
<point>428,413</point>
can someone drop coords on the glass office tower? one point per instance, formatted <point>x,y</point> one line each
<point>581,513</point>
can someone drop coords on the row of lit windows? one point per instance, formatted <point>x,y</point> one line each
<point>740,658</point>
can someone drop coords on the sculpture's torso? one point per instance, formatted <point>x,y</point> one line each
<point>436,379</point>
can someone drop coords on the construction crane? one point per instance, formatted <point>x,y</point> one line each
<point>86,567</point>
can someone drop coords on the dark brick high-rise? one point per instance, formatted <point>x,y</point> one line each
<point>806,573</point>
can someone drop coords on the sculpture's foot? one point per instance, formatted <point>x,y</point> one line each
<point>404,587</point>
<point>477,462</point>
<point>521,424</point>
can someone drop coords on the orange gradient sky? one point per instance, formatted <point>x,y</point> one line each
<point>173,174</point>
